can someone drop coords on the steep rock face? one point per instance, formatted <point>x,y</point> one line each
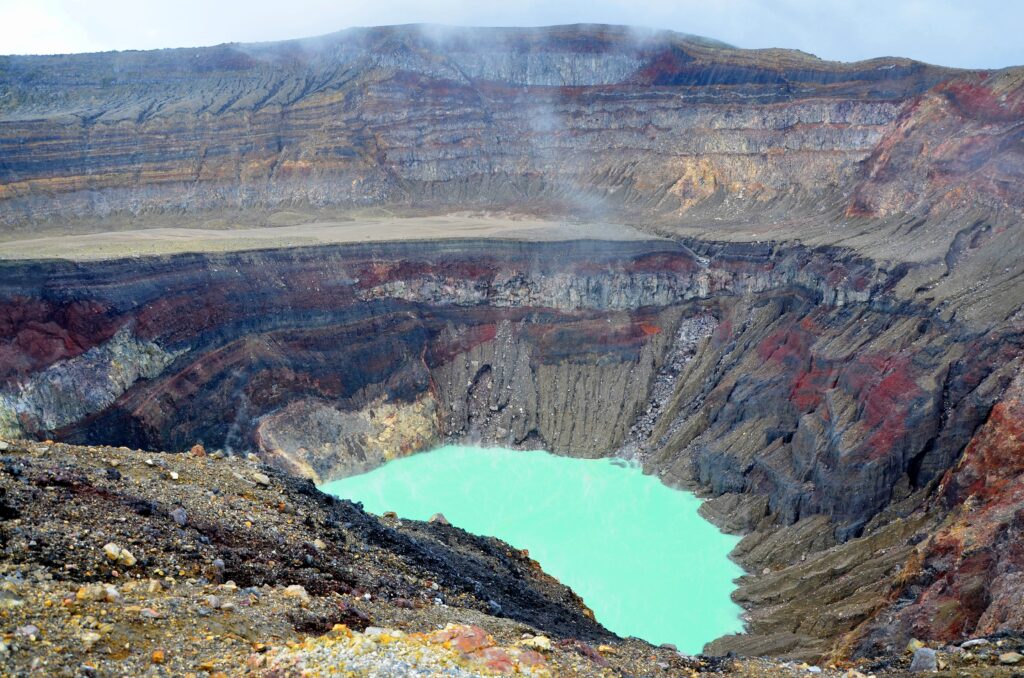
<point>814,380</point>
<point>972,160</point>
<point>312,439</point>
<point>965,579</point>
<point>548,344</point>
<point>259,346</point>
<point>823,431</point>
<point>868,398</point>
<point>578,118</point>
<point>72,389</point>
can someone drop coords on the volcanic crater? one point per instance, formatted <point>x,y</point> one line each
<point>789,285</point>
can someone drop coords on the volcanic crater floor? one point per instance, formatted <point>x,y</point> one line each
<point>241,234</point>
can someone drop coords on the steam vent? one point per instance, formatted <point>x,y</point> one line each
<point>233,275</point>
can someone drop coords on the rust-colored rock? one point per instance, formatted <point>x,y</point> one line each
<point>966,579</point>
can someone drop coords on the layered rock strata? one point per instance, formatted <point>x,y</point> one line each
<point>577,116</point>
<point>845,236</point>
<point>577,119</point>
<point>388,346</point>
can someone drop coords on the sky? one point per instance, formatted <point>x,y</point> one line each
<point>964,33</point>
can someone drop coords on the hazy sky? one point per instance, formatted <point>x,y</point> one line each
<point>967,33</point>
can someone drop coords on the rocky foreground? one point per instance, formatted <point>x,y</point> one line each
<point>121,562</point>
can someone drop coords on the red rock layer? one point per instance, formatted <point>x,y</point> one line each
<point>967,579</point>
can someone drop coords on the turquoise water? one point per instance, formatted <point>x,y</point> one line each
<point>635,550</point>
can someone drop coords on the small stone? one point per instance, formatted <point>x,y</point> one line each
<point>319,544</point>
<point>607,649</point>
<point>261,479</point>
<point>297,591</point>
<point>532,659</point>
<point>924,661</point>
<point>90,638</point>
<point>157,657</point>
<point>119,555</point>
<point>463,638</point>
<point>914,645</point>
<point>150,462</point>
<point>180,516</point>
<point>975,642</point>
<point>213,602</point>
<point>439,519</point>
<point>198,450</point>
<point>91,592</point>
<point>4,446</point>
<point>112,551</point>
<point>173,475</point>
<point>542,643</point>
<point>126,558</point>
<point>1010,658</point>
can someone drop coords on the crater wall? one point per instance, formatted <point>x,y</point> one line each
<point>842,240</point>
